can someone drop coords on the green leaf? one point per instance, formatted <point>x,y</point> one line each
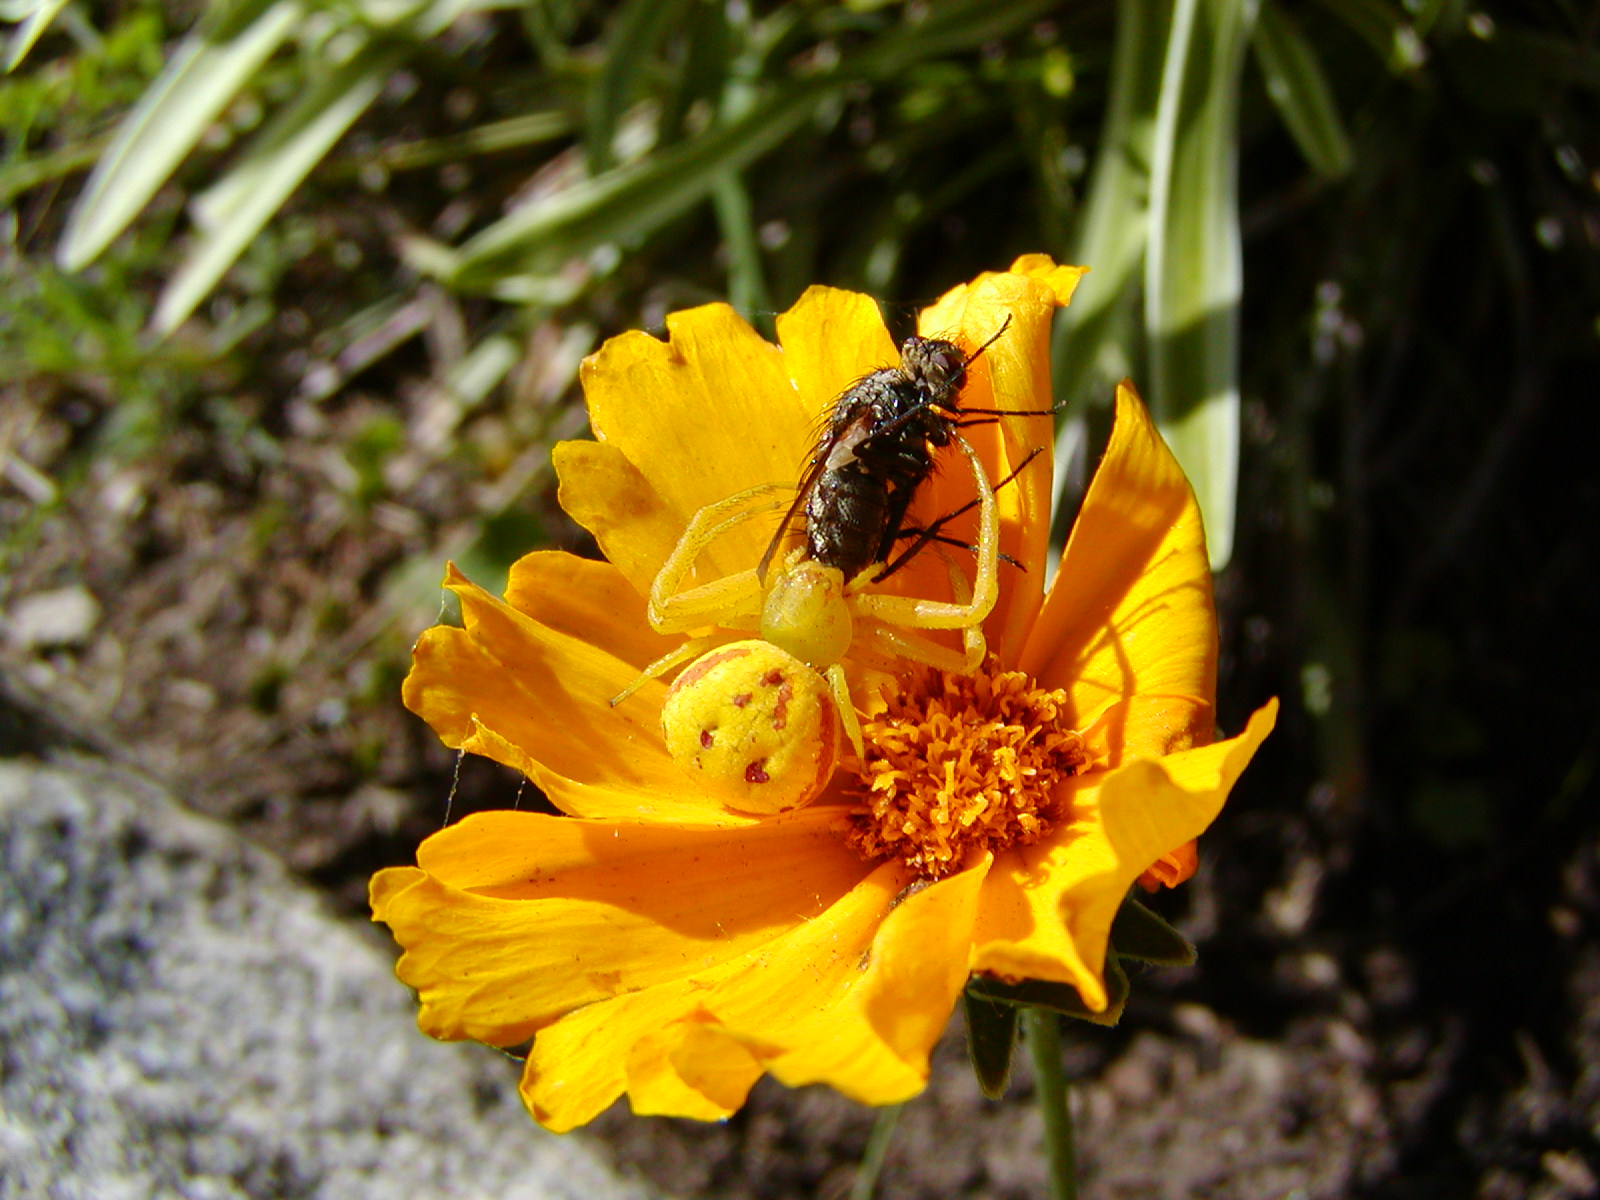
<point>1096,335</point>
<point>234,210</point>
<point>1057,997</point>
<point>948,27</point>
<point>991,1036</point>
<point>35,19</point>
<point>636,31</point>
<point>512,133</point>
<point>706,66</point>
<point>747,287</point>
<point>1092,340</point>
<point>482,368</point>
<point>1383,27</point>
<point>17,177</point>
<point>1297,86</point>
<point>165,125</point>
<point>635,198</point>
<point>1143,935</point>
<point>1193,270</point>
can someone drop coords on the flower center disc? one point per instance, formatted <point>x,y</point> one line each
<point>960,763</point>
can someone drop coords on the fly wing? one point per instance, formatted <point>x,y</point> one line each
<point>851,408</point>
<point>807,482</point>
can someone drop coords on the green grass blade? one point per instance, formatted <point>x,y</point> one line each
<point>232,212</point>
<point>1385,28</point>
<point>27,33</point>
<point>635,33</point>
<point>747,286</point>
<point>512,133</point>
<point>635,198</point>
<point>1297,86</point>
<point>949,27</point>
<point>1193,271</point>
<point>164,126</point>
<point>17,177</point>
<point>1093,346</point>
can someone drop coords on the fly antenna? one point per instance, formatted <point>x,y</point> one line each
<point>993,338</point>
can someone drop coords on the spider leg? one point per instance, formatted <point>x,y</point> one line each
<point>913,647</point>
<point>733,601</point>
<point>930,533</point>
<point>691,649</point>
<point>840,688</point>
<point>924,650</point>
<point>908,612</point>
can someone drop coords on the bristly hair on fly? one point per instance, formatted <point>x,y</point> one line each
<point>876,449</point>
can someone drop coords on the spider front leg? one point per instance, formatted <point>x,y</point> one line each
<point>734,601</point>
<point>901,643</point>
<point>839,686</point>
<point>688,652</point>
<point>908,612</point>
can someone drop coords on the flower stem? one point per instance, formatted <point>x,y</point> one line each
<point>877,1145</point>
<point>1043,1033</point>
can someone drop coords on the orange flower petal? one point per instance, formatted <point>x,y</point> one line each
<point>873,1043</point>
<point>588,600</point>
<point>703,416</point>
<point>855,998</point>
<point>606,494</point>
<point>508,688</point>
<point>1017,373</point>
<point>513,919</point>
<point>1172,868</point>
<point>673,1047</point>
<point>1129,618</point>
<point>1020,933</point>
<point>1047,910</point>
<point>831,339</point>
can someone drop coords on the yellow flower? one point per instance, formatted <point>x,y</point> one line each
<point>652,942</point>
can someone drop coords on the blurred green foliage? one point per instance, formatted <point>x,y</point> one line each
<point>672,104</point>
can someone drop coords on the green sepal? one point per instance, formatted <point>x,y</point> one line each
<point>1139,933</point>
<point>1062,998</point>
<point>991,1035</point>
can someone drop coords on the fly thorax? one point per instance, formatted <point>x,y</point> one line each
<point>843,452</point>
<point>805,613</point>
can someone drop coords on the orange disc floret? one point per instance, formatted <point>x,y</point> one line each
<point>961,764</point>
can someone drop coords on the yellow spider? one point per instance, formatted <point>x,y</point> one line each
<point>815,601</point>
<point>809,609</point>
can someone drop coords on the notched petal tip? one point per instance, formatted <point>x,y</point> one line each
<point>704,415</point>
<point>831,339</point>
<point>1062,280</point>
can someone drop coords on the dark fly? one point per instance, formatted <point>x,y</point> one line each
<point>876,451</point>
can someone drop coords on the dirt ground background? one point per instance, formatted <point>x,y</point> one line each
<point>217,550</point>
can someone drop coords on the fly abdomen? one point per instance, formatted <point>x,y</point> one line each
<point>847,515</point>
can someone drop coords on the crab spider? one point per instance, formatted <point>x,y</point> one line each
<point>813,612</point>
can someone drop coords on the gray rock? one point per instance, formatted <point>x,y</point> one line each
<point>180,1018</point>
